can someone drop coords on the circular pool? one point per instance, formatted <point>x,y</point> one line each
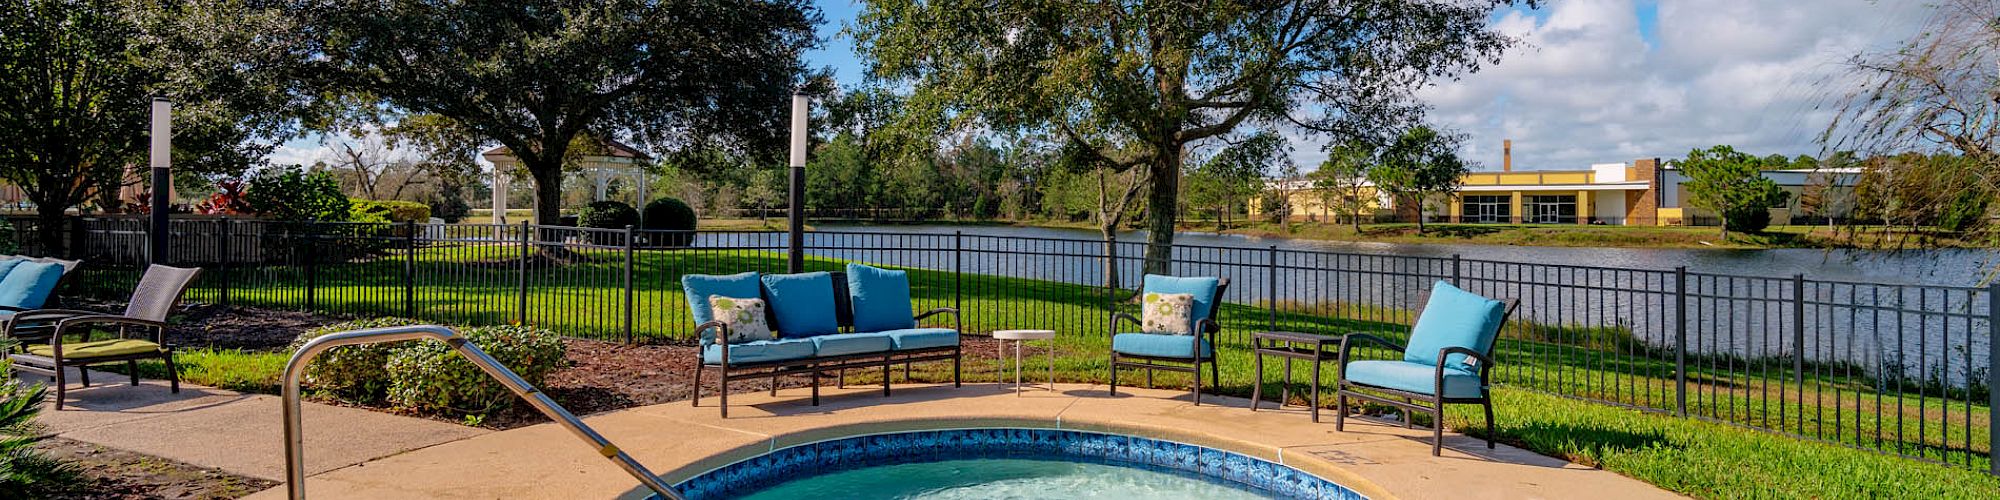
<point>1006,463</point>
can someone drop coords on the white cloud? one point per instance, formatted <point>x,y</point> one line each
<point>1587,87</point>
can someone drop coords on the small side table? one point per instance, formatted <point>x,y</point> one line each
<point>1019,336</point>
<point>1292,345</point>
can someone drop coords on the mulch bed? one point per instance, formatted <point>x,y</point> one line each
<point>113,474</point>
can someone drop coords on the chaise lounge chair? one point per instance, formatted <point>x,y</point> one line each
<point>40,334</point>
<point>1454,336</point>
<point>1183,350</point>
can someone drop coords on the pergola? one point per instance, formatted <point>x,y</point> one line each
<point>612,160</point>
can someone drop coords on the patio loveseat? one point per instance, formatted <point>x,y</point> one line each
<point>818,322</point>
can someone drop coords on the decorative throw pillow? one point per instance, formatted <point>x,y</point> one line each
<point>745,318</point>
<point>1168,313</point>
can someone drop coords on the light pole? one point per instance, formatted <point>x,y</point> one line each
<point>161,157</point>
<point>796,211</point>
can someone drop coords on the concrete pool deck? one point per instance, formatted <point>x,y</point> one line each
<point>677,441</point>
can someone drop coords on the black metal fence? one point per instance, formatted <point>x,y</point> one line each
<point>1902,369</point>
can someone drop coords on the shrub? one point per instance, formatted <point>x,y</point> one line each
<point>355,373</point>
<point>668,214</point>
<point>431,377</point>
<point>391,210</point>
<point>607,215</point>
<point>451,207</point>
<point>291,194</point>
<point>1747,219</point>
<point>24,471</point>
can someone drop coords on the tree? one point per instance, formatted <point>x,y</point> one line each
<point>75,76</point>
<point>1342,180</point>
<point>1939,89</point>
<point>1728,182</point>
<point>536,75</point>
<point>1233,174</point>
<point>767,187</point>
<point>1421,164</point>
<point>1133,85</point>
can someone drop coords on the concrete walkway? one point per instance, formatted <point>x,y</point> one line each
<point>239,433</point>
<point>679,441</point>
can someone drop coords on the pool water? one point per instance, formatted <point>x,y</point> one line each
<point>1002,478</point>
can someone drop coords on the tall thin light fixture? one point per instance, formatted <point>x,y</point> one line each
<point>796,211</point>
<point>161,158</point>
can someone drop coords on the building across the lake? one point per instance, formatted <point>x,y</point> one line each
<point>1641,192</point>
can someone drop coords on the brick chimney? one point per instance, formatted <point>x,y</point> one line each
<point>1506,155</point>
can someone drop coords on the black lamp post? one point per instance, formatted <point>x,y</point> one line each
<point>796,210</point>
<point>160,159</point>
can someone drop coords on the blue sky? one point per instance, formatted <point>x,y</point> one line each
<point>1599,81</point>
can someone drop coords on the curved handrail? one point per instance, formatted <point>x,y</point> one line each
<point>295,470</point>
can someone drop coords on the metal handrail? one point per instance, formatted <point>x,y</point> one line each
<point>295,466</point>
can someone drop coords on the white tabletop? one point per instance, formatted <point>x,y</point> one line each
<point>1024,334</point>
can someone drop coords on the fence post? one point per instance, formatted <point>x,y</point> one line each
<point>1680,341</point>
<point>1457,271</point>
<point>1271,284</point>
<point>521,307</point>
<point>410,269</point>
<point>958,271</point>
<point>222,264</point>
<point>1993,370</point>
<point>629,234</point>
<point>306,251</point>
<point>1798,330</point>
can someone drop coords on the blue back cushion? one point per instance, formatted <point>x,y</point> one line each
<point>29,284</point>
<point>7,265</point>
<point>699,287</point>
<point>1203,290</point>
<point>881,298</point>
<point>802,304</point>
<point>1454,318</point>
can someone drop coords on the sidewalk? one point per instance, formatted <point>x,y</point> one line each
<point>236,432</point>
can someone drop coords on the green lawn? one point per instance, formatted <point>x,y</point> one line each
<point>477,285</point>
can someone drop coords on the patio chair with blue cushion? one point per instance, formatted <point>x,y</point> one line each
<point>1169,343</point>
<point>1447,362</point>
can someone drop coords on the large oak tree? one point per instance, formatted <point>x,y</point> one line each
<point>1132,85</point>
<point>534,75</point>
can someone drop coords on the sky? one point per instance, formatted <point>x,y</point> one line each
<point>1597,81</point>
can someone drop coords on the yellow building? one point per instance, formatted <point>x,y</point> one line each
<point>1611,193</point>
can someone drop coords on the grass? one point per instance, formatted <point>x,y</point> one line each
<point>232,369</point>
<point>476,284</point>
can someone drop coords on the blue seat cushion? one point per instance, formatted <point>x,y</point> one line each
<point>1454,318</point>
<point>1203,290</point>
<point>881,298</point>
<point>1159,345</point>
<point>29,284</point>
<point>922,338</point>
<point>1413,377</point>
<point>759,351</point>
<point>697,288</point>
<point>842,344</point>
<point>802,304</point>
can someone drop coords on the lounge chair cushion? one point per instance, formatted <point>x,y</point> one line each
<point>922,338</point>
<point>1203,290</point>
<point>7,264</point>
<point>699,287</point>
<point>97,348</point>
<point>1159,345</point>
<point>1454,318</point>
<point>759,351</point>
<point>881,298</point>
<point>745,317</point>
<point>1413,377</point>
<point>802,304</point>
<point>1167,313</point>
<point>842,344</point>
<point>29,284</point>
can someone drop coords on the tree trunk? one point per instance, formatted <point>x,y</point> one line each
<point>49,229</point>
<point>1110,233</point>
<point>1160,202</point>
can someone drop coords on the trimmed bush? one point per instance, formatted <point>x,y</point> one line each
<point>607,215</point>
<point>669,214</point>
<point>430,377</point>
<point>356,373</point>
<point>1747,219</point>
<point>391,210</point>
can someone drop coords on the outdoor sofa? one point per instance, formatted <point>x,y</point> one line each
<point>1183,351</point>
<point>820,321</point>
<point>1448,361</point>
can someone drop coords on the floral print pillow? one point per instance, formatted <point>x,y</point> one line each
<point>745,318</point>
<point>1169,313</point>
